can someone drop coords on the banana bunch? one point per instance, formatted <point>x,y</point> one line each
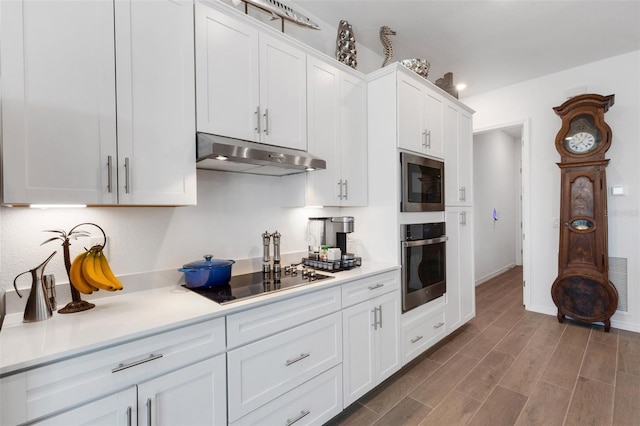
<point>90,271</point>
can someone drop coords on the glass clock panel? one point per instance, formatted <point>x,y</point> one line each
<point>582,197</point>
<point>582,224</point>
<point>583,136</point>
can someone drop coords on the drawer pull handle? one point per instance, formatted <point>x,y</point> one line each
<point>416,339</point>
<point>129,416</point>
<point>302,414</point>
<point>373,287</point>
<point>438,325</point>
<point>296,359</point>
<point>123,366</point>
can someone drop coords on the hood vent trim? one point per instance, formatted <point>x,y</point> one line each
<point>252,157</point>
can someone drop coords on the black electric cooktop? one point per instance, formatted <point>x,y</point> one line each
<point>245,286</point>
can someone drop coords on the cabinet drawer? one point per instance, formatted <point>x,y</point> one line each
<point>421,333</point>
<point>254,324</point>
<point>263,370</point>
<point>368,288</point>
<point>74,380</point>
<point>313,403</point>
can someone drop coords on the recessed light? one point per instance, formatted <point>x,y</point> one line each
<point>461,86</point>
<point>221,158</point>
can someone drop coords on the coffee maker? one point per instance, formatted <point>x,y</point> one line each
<point>332,231</point>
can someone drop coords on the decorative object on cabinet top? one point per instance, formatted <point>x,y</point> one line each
<point>346,45</point>
<point>419,66</point>
<point>385,32</point>
<point>279,10</point>
<point>446,84</point>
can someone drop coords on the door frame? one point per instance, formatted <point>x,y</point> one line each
<point>525,161</point>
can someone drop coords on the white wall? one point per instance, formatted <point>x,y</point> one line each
<point>495,186</point>
<point>533,100</point>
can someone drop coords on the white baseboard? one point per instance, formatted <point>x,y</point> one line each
<point>495,274</point>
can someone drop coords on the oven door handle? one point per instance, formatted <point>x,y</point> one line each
<point>425,242</point>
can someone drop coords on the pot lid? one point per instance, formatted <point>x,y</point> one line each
<point>208,263</point>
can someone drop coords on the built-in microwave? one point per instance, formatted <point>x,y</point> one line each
<point>422,183</point>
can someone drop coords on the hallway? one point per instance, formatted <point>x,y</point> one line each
<point>509,366</point>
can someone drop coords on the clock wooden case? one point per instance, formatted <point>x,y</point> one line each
<point>582,289</point>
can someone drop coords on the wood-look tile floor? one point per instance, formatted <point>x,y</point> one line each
<point>509,366</point>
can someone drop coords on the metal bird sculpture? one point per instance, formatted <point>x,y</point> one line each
<point>385,32</point>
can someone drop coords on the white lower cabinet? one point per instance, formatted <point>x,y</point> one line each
<point>168,399</point>
<point>162,374</point>
<point>312,403</point>
<point>264,370</point>
<point>371,344</point>
<point>421,328</point>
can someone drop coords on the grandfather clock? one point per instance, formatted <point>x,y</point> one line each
<point>582,289</point>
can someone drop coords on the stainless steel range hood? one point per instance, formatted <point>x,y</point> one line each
<point>216,152</point>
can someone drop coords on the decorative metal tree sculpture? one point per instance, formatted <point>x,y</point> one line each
<point>76,304</point>
<point>346,45</point>
<point>385,32</point>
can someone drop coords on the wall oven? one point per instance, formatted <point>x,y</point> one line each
<point>422,183</point>
<point>423,263</point>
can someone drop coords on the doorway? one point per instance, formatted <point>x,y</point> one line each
<point>500,164</point>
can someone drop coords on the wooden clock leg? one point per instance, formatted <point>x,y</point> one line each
<point>560,316</point>
<point>607,325</point>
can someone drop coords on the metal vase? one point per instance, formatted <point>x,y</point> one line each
<point>38,307</point>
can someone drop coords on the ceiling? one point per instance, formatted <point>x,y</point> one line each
<point>490,44</point>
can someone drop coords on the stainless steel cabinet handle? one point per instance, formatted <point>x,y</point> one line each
<point>129,416</point>
<point>123,366</point>
<point>375,318</point>
<point>257,113</point>
<point>109,173</point>
<point>373,287</point>
<point>380,310</point>
<point>266,121</point>
<point>340,189</point>
<point>296,359</point>
<point>302,414</point>
<point>424,138</point>
<point>463,193</point>
<point>346,190</point>
<point>416,339</point>
<point>148,411</point>
<point>427,139</point>
<point>126,175</point>
<point>440,324</point>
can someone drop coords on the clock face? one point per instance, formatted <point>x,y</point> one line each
<point>581,142</point>
<point>583,136</point>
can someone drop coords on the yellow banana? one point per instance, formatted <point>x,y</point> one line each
<point>108,273</point>
<point>93,274</point>
<point>75,274</point>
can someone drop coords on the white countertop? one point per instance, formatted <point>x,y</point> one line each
<point>121,318</point>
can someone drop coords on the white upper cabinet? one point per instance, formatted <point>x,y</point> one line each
<point>62,139</point>
<point>337,133</point>
<point>458,156</point>
<point>155,102</point>
<point>420,116</point>
<point>250,85</point>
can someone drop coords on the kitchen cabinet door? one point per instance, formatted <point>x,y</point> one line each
<point>250,85</point>
<point>371,344</point>
<point>458,156</point>
<point>323,89</point>
<point>58,102</point>
<point>227,76</point>
<point>283,93</point>
<point>460,294</point>
<point>193,395</point>
<point>155,102</point>
<point>420,116</point>
<point>98,103</point>
<point>336,117</point>
<point>353,141</point>
<point>118,409</point>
